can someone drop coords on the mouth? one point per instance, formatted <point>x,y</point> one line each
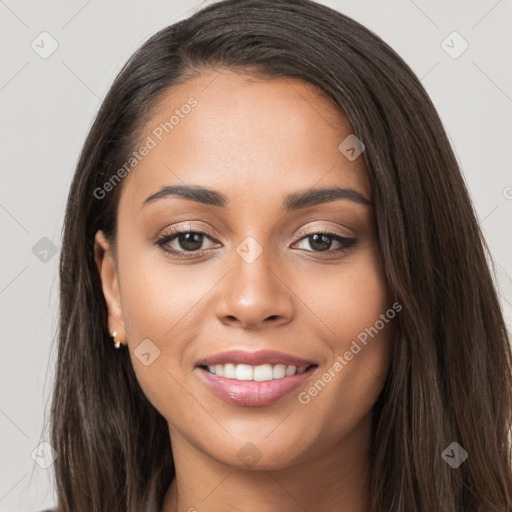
<point>254,379</point>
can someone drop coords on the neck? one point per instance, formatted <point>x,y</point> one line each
<point>333,480</point>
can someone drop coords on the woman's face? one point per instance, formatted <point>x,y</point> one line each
<point>255,290</point>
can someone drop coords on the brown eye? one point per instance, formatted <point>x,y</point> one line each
<point>180,241</point>
<point>323,241</point>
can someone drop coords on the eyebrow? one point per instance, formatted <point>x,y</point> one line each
<point>293,201</point>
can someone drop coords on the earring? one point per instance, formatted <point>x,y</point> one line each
<point>117,344</point>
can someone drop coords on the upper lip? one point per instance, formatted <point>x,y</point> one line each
<point>260,357</point>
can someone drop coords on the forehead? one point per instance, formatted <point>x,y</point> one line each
<point>246,136</point>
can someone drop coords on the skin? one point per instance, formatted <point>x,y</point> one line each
<point>255,141</point>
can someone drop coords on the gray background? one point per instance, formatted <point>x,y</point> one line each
<point>47,107</point>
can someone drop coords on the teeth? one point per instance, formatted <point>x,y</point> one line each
<point>290,370</point>
<point>279,371</point>
<point>263,372</point>
<point>230,371</point>
<point>257,373</point>
<point>243,372</point>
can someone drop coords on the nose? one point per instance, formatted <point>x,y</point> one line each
<point>254,295</point>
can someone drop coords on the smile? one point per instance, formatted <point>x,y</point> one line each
<point>253,379</point>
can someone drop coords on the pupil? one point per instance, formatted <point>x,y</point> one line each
<point>320,242</point>
<point>191,241</point>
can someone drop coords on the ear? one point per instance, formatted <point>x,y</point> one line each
<point>105,262</point>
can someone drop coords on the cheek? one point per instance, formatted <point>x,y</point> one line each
<point>158,310</point>
<point>157,295</point>
<point>162,302</point>
<point>361,329</point>
<point>350,299</point>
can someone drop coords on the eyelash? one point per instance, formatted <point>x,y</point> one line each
<point>173,233</point>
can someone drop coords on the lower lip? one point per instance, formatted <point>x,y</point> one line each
<point>250,393</point>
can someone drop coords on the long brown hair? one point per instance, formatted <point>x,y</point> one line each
<point>450,376</point>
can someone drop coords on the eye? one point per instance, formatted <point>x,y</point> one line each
<point>322,241</point>
<point>185,241</point>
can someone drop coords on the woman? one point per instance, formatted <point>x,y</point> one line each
<point>242,156</point>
